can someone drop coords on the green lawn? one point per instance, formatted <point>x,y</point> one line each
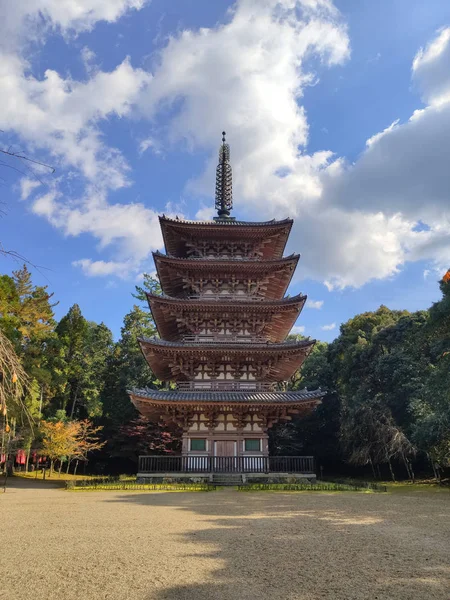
<point>55,476</point>
<point>421,485</point>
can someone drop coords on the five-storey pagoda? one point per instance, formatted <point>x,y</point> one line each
<point>222,321</point>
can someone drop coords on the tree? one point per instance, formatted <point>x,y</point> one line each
<point>13,385</point>
<point>59,440</point>
<point>82,359</point>
<point>26,318</point>
<point>150,284</point>
<point>431,407</point>
<point>87,440</point>
<point>72,332</point>
<point>127,368</point>
<point>141,436</point>
<point>317,433</point>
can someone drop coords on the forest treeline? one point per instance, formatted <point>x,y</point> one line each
<point>387,377</point>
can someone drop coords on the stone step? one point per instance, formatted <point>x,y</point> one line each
<point>227,479</point>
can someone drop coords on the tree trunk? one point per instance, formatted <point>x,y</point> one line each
<point>411,470</point>
<point>51,468</point>
<point>76,467</point>
<point>373,468</point>
<point>75,400</point>
<point>433,466</point>
<point>408,467</point>
<point>27,463</point>
<point>390,468</point>
<point>69,460</point>
<point>60,467</point>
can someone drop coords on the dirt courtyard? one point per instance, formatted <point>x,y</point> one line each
<point>224,545</point>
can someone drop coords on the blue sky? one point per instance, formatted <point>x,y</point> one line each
<point>338,115</point>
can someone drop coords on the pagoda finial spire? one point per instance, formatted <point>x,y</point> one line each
<point>224,181</point>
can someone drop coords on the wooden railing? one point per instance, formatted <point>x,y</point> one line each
<point>226,386</point>
<point>226,464</point>
<point>224,339</point>
<point>226,297</point>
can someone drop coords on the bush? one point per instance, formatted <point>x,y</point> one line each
<point>130,484</point>
<point>312,487</point>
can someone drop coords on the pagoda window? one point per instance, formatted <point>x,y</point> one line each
<point>198,444</point>
<point>252,445</point>
<point>202,372</point>
<point>245,372</point>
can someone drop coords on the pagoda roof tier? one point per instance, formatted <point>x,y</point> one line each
<point>179,235</point>
<point>172,360</point>
<point>174,273</point>
<point>175,317</point>
<point>173,405</point>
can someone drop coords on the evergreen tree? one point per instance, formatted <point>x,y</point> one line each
<point>81,358</point>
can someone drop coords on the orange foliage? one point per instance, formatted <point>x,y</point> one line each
<point>446,277</point>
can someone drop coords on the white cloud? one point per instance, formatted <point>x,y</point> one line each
<point>88,57</point>
<point>205,213</point>
<point>353,222</point>
<point>247,77</point>
<point>101,268</point>
<point>403,178</point>
<point>33,18</point>
<point>132,228</point>
<point>62,116</point>
<point>298,329</point>
<point>27,185</point>
<point>329,327</point>
<point>431,70</point>
<point>317,304</point>
<point>150,143</point>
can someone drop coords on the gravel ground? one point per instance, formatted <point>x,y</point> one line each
<point>222,545</point>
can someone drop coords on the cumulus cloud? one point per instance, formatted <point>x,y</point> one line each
<point>34,18</point>
<point>132,228</point>
<point>317,304</point>
<point>431,71</point>
<point>329,327</point>
<point>354,222</point>
<point>101,268</point>
<point>27,185</point>
<point>298,329</point>
<point>403,177</point>
<point>62,116</point>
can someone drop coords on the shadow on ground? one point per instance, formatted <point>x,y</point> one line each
<point>308,546</point>
<point>25,483</point>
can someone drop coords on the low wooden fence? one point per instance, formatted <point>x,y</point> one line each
<point>226,464</point>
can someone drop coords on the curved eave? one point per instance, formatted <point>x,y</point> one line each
<point>174,229</point>
<point>223,223</point>
<point>258,348</point>
<point>222,304</point>
<point>164,310</point>
<point>230,264</point>
<point>161,355</point>
<point>247,397</point>
<point>154,403</point>
<point>171,282</point>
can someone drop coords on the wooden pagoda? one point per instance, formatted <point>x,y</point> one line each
<point>222,320</point>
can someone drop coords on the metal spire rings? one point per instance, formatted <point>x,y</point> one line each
<point>224,181</point>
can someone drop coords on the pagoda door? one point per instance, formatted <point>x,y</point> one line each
<point>225,448</point>
<point>225,460</point>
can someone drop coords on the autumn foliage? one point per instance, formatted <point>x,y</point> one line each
<point>66,441</point>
